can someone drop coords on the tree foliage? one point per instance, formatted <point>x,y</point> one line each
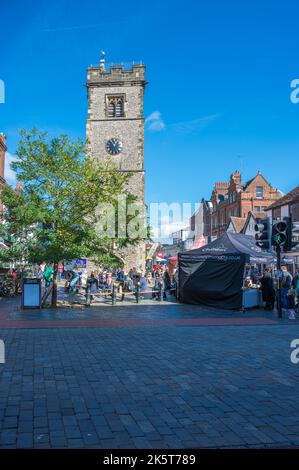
<point>54,217</point>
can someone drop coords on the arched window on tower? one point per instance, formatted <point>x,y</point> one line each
<point>115,106</point>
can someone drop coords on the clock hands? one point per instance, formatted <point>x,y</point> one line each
<point>114,146</point>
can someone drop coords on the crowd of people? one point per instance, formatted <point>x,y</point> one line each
<point>268,285</point>
<point>153,283</point>
<point>149,284</point>
<point>157,283</point>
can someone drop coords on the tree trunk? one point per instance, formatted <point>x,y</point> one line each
<point>54,291</point>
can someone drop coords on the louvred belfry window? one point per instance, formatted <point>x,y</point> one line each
<point>115,106</point>
<point>111,109</point>
<point>119,108</point>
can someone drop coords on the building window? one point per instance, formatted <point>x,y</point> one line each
<point>257,209</point>
<point>115,106</point>
<point>259,192</point>
<point>295,212</point>
<point>276,213</point>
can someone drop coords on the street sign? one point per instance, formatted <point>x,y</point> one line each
<point>31,293</point>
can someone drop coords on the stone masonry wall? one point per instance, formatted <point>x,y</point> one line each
<point>130,130</point>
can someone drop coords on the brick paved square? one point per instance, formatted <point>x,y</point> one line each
<point>147,386</point>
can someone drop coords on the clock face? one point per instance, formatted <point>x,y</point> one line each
<point>114,146</point>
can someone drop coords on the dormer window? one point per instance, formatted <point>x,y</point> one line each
<point>115,106</point>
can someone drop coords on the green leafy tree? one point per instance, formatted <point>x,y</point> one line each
<point>55,216</point>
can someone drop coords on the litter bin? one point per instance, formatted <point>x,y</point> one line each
<point>31,292</point>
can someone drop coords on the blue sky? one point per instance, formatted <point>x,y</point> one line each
<point>219,78</point>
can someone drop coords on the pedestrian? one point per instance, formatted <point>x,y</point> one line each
<point>254,274</point>
<point>149,277</point>
<point>60,271</point>
<point>296,287</point>
<point>159,288</point>
<point>129,284</point>
<point>167,281</point>
<point>143,285</point>
<point>101,280</point>
<point>286,284</point>
<point>291,303</point>
<point>73,281</point>
<point>84,277</point>
<point>40,273</point>
<point>93,285</point>
<point>135,276</point>
<point>109,280</point>
<point>48,275</point>
<point>14,275</point>
<point>268,291</point>
<point>120,276</point>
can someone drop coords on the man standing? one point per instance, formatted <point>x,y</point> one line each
<point>286,284</point>
<point>48,275</point>
<point>268,290</point>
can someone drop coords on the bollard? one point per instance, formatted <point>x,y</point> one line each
<point>113,294</point>
<point>88,295</point>
<point>137,292</point>
<point>122,292</point>
<point>160,292</point>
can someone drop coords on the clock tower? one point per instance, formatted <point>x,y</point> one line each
<point>115,131</point>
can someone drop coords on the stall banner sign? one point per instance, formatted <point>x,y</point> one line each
<point>152,250</point>
<point>76,264</point>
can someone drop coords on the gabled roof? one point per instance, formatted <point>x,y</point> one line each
<point>237,222</point>
<point>255,215</point>
<point>248,183</point>
<point>289,198</point>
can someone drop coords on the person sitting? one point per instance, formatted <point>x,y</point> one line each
<point>143,285</point>
<point>121,276</point>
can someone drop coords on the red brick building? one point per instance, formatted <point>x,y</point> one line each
<point>236,199</point>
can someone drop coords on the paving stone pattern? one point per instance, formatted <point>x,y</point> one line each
<point>166,387</point>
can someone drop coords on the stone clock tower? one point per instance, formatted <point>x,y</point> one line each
<point>115,130</point>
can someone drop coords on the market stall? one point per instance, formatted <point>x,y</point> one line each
<point>214,275</point>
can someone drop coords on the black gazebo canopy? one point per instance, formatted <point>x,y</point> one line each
<point>213,274</point>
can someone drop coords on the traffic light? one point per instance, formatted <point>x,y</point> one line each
<point>279,233</point>
<point>288,243</point>
<point>295,234</point>
<point>262,235</point>
<point>292,234</point>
